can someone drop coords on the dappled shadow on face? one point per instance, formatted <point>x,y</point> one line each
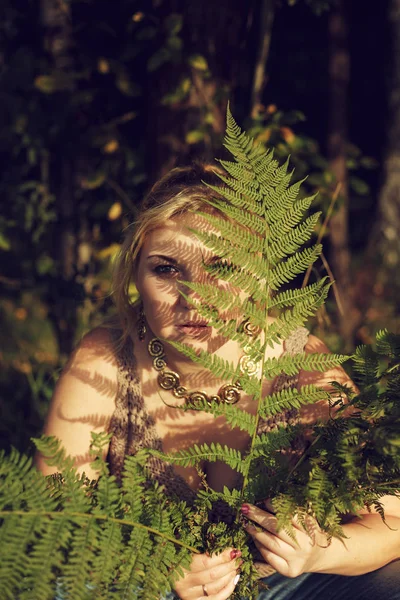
<point>168,259</point>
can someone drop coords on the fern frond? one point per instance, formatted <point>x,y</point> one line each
<point>296,296</point>
<point>217,365</point>
<point>286,271</point>
<point>134,556</point>
<point>239,196</point>
<point>233,255</point>
<point>387,344</point>
<point>291,218</point>
<point>292,398</point>
<point>366,365</point>
<point>291,319</point>
<point>242,147</point>
<point>283,195</point>
<point>245,218</point>
<point>289,243</point>
<point>274,441</point>
<point>241,172</point>
<point>292,364</point>
<point>209,452</point>
<point>235,231</point>
<point>236,417</point>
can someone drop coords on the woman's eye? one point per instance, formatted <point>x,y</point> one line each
<point>166,270</point>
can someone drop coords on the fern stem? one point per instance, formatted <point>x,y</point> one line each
<point>324,225</point>
<point>64,514</point>
<point>302,457</point>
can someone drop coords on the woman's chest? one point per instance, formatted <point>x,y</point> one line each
<point>181,429</point>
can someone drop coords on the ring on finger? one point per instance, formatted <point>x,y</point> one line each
<point>205,593</point>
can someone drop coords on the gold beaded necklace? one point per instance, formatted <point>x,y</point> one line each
<point>170,380</point>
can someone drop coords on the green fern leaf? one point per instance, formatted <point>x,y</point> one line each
<point>286,271</point>
<point>240,216</point>
<point>291,364</point>
<point>235,416</point>
<point>292,398</point>
<point>234,231</point>
<point>211,453</point>
<point>293,240</point>
<point>287,221</point>
<point>294,297</point>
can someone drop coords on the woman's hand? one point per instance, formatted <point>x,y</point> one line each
<point>214,576</point>
<point>290,557</point>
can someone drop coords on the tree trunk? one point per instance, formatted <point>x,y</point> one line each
<point>267,14</point>
<point>62,303</point>
<point>219,33</point>
<point>339,72</point>
<point>387,232</point>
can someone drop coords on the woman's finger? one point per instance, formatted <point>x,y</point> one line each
<point>215,587</point>
<point>202,562</point>
<point>275,562</point>
<point>264,569</point>
<point>269,523</point>
<point>268,541</point>
<point>228,590</point>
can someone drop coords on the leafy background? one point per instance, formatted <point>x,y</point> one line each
<point>98,98</point>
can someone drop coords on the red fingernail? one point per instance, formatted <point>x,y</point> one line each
<point>245,509</point>
<point>235,554</point>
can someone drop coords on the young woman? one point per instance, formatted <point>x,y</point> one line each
<point>114,382</point>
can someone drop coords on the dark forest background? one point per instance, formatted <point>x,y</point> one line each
<point>100,97</point>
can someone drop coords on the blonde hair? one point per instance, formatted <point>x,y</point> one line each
<point>179,191</point>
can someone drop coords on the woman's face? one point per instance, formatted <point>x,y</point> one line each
<point>172,254</point>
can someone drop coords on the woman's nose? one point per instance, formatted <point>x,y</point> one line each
<point>187,296</point>
<point>186,293</point>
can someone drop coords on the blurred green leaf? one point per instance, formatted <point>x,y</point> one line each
<point>5,243</point>
<point>194,137</point>
<point>359,186</point>
<point>159,58</point>
<point>44,264</point>
<point>173,23</point>
<point>179,94</point>
<point>175,43</point>
<point>91,182</point>
<point>57,82</point>
<point>197,61</point>
<point>368,162</point>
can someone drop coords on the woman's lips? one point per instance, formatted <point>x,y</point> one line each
<point>193,328</point>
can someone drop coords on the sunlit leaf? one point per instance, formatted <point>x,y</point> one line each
<point>194,137</point>
<point>93,181</point>
<point>173,23</point>
<point>111,146</point>
<point>108,252</point>
<point>4,242</point>
<point>115,211</point>
<point>197,61</point>
<point>103,65</point>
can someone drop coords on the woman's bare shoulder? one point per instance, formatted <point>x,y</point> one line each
<point>84,398</point>
<point>310,413</point>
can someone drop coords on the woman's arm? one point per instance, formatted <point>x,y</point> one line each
<point>311,413</point>
<point>370,544</point>
<point>84,400</point>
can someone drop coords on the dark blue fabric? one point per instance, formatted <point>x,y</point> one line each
<point>382,584</point>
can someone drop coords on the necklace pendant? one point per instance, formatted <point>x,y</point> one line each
<point>197,398</point>
<point>180,391</point>
<point>248,365</point>
<point>168,380</point>
<point>229,394</point>
<point>214,398</point>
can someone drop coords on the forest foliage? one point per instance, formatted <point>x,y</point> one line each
<point>97,539</point>
<point>95,104</point>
